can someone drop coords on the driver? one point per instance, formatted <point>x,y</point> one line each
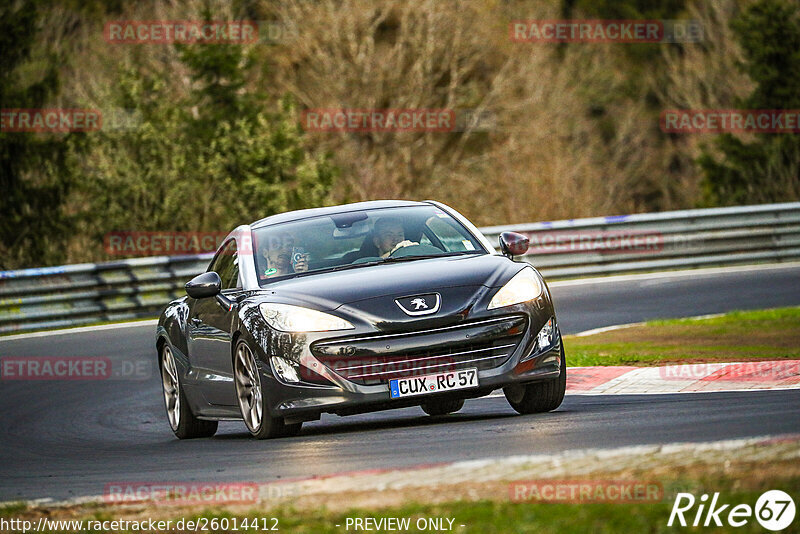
<point>389,235</point>
<point>277,251</point>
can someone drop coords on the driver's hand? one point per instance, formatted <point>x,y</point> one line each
<point>301,266</point>
<point>401,244</point>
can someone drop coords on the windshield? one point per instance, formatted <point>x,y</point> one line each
<point>358,238</point>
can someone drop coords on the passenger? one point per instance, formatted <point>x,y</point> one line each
<point>277,253</point>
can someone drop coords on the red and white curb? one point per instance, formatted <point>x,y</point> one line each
<point>684,378</point>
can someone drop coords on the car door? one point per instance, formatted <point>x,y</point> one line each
<point>210,332</point>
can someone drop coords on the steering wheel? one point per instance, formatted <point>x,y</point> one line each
<point>415,250</point>
<point>398,249</point>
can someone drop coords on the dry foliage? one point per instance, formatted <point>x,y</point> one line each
<point>573,130</point>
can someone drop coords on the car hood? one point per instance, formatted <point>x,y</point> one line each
<point>329,291</point>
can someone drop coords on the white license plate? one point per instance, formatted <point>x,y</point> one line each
<point>422,385</point>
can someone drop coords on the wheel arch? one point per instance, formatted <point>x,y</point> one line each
<point>161,341</point>
<point>237,335</point>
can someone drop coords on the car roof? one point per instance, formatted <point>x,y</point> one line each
<point>331,210</point>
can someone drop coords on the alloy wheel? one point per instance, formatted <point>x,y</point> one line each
<point>172,387</point>
<point>248,387</point>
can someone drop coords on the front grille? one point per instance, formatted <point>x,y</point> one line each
<point>371,360</point>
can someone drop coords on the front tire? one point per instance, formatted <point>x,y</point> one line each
<point>442,407</point>
<point>539,397</point>
<point>252,401</point>
<point>181,419</point>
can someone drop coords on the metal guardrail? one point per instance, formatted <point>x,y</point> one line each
<point>50,297</point>
<point>32,299</point>
<point>661,241</point>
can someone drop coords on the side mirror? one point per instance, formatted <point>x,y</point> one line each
<point>204,285</point>
<point>513,244</point>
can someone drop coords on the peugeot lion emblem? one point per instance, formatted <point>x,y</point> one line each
<point>420,304</point>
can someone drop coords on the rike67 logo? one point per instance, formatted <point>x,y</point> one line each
<point>774,510</point>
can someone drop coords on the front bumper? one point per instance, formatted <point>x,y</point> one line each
<point>497,368</point>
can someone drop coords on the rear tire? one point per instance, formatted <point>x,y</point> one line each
<point>442,407</point>
<point>181,419</point>
<point>539,397</point>
<point>253,402</point>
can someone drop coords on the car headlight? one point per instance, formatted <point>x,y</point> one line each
<point>523,287</point>
<point>288,318</point>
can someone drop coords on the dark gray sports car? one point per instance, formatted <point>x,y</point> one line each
<point>357,308</point>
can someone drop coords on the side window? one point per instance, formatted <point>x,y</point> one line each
<point>216,262</point>
<point>226,265</point>
<point>230,269</point>
<point>233,280</point>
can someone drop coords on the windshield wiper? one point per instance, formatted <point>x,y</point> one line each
<point>427,256</point>
<point>338,268</point>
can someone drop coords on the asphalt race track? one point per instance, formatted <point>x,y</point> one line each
<point>64,439</point>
